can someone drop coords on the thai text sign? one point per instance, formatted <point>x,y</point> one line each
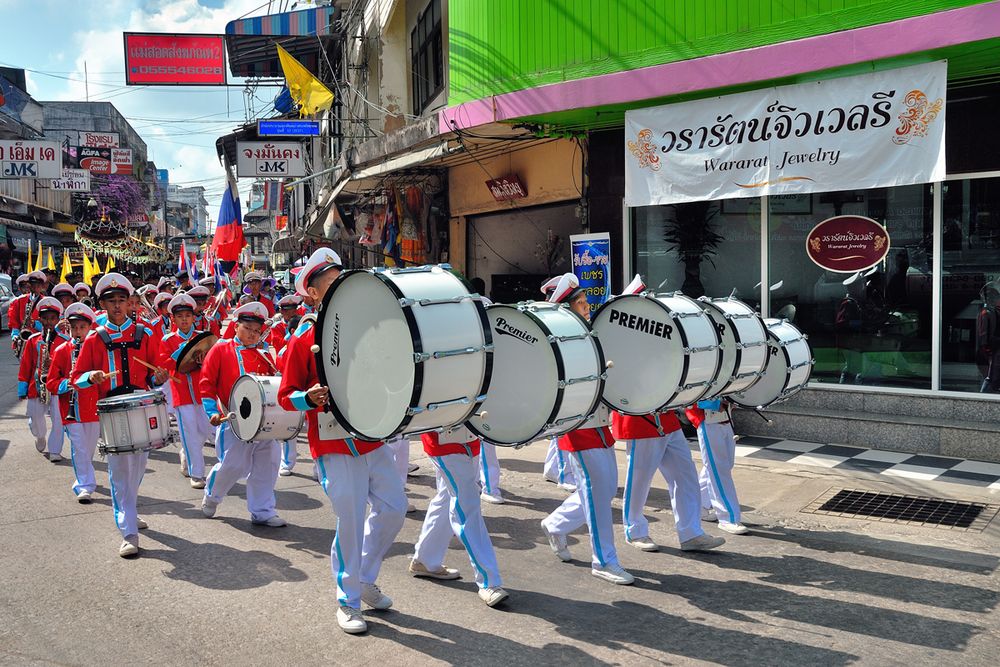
<point>99,139</point>
<point>265,158</point>
<point>174,60</point>
<point>847,243</point>
<point>507,188</point>
<point>592,265</point>
<point>30,159</point>
<point>874,130</point>
<point>105,160</point>
<point>73,180</point>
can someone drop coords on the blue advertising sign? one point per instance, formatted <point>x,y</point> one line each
<point>592,265</point>
<point>288,128</point>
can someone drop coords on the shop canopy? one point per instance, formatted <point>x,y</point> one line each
<point>304,33</point>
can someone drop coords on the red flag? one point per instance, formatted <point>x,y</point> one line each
<point>182,260</point>
<point>228,241</point>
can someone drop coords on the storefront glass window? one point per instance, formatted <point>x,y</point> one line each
<point>702,248</point>
<point>970,298</point>
<point>867,328</point>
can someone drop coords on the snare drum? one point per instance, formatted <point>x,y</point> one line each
<point>665,350</point>
<point>257,415</point>
<point>548,374</point>
<point>402,351</point>
<point>744,344</point>
<point>788,368</point>
<point>134,422</point>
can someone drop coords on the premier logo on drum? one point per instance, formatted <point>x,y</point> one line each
<point>643,324</point>
<point>335,353</point>
<point>505,329</point>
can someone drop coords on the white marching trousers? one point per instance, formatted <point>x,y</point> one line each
<point>125,473</point>
<point>359,545</point>
<point>400,448</point>
<point>36,418</point>
<point>167,390</point>
<point>37,412</point>
<point>82,445</point>
<point>557,466</point>
<point>672,457</point>
<point>194,428</point>
<point>597,483</point>
<point>718,453</point>
<point>258,462</point>
<point>489,468</point>
<point>55,443</point>
<point>289,453</point>
<point>455,509</point>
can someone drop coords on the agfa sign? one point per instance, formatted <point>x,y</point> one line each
<point>847,243</point>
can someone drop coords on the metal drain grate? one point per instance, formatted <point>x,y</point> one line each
<point>899,508</point>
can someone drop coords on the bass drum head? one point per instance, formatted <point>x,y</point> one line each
<point>247,401</point>
<point>524,389</point>
<point>772,382</point>
<point>644,345</point>
<point>367,341</point>
<point>728,352</point>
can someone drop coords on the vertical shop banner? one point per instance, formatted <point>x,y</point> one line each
<point>870,131</point>
<point>592,265</point>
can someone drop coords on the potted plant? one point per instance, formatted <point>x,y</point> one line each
<point>691,232</point>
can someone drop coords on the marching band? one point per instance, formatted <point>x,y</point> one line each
<point>111,373</point>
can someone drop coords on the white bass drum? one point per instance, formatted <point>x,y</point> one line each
<point>257,415</point>
<point>744,344</point>
<point>789,367</point>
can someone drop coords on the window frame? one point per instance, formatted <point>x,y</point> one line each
<point>426,50</point>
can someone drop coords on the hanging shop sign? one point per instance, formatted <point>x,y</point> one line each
<point>154,59</point>
<point>592,265</point>
<point>288,128</point>
<point>105,160</point>
<point>875,130</point>
<point>847,243</point>
<point>72,180</point>
<point>507,188</point>
<point>263,158</point>
<point>30,159</point>
<point>99,139</point>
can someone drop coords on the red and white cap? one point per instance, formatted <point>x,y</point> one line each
<point>636,286</point>
<point>207,281</point>
<point>550,285</point>
<point>180,302</point>
<point>48,304</point>
<point>113,282</point>
<point>37,275</point>
<point>82,286</point>
<point>164,281</point>
<point>80,311</point>
<point>63,288</point>
<point>21,279</point>
<point>320,261</point>
<point>199,292</point>
<point>253,275</point>
<point>567,287</point>
<point>254,311</point>
<point>161,298</point>
<point>290,301</point>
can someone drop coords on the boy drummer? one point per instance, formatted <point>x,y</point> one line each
<point>112,360</point>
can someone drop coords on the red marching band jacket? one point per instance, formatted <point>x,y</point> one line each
<point>586,438</point>
<point>298,377</point>
<point>226,362</point>
<point>75,405</point>
<point>456,441</point>
<point>28,378</point>
<point>184,387</point>
<point>640,427</point>
<point>132,340</point>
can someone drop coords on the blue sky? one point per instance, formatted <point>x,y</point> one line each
<point>179,125</point>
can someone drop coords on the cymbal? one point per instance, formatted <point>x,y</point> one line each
<point>201,342</point>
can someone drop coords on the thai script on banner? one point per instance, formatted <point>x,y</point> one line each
<point>874,130</point>
<point>592,265</point>
<point>265,158</point>
<point>30,159</point>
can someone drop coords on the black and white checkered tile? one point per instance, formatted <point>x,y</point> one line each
<point>892,464</point>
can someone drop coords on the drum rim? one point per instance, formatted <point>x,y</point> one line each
<point>249,378</point>
<point>651,296</point>
<point>560,372</point>
<point>784,352</point>
<point>125,402</point>
<point>709,302</point>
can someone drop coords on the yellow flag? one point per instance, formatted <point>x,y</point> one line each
<point>88,270</point>
<point>110,265</point>
<point>28,268</point>
<point>50,264</point>
<point>67,266</point>
<point>307,91</point>
<point>38,259</point>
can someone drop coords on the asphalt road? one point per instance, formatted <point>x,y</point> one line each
<point>801,589</point>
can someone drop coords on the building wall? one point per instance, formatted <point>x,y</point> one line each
<point>506,45</point>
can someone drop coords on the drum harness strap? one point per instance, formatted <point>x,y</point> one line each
<point>187,376</point>
<point>126,386</point>
<point>655,422</point>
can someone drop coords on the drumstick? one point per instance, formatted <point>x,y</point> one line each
<point>157,369</point>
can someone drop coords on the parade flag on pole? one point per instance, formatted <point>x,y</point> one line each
<point>193,264</point>
<point>88,270</point>
<point>50,264</point>
<point>28,268</point>
<point>307,91</point>
<point>38,258</point>
<point>109,265</point>
<point>67,266</point>
<point>182,259</point>
<point>228,241</point>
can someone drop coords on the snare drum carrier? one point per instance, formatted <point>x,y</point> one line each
<point>126,386</point>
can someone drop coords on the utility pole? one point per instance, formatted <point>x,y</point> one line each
<point>86,81</point>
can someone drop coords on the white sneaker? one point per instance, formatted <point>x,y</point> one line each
<point>83,497</point>
<point>418,569</point>
<point>285,472</point>
<point>614,573</point>
<point>493,596</point>
<point>273,522</point>
<point>550,479</point>
<point>373,596</point>
<point>643,544</point>
<point>734,528</point>
<point>129,547</point>
<point>208,507</point>
<point>412,470</point>
<point>40,445</point>
<point>702,543</point>
<point>141,523</point>
<point>350,620</point>
<point>569,488</point>
<point>708,514</point>
<point>55,458</point>
<point>558,544</point>
<point>492,498</point>
<point>410,508</point>
<point>197,482</point>
<point>184,465</point>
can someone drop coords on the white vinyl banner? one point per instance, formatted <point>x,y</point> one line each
<point>868,131</point>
